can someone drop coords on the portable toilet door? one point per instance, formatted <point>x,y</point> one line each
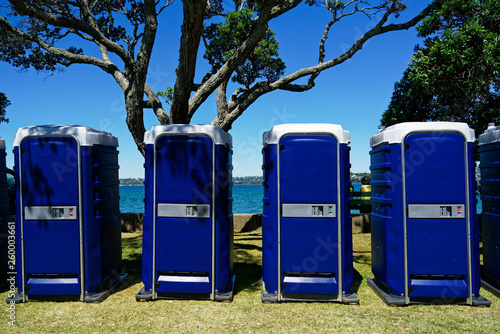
<point>307,238</point>
<point>59,228</point>
<point>425,241</point>
<point>5,252</point>
<point>489,154</point>
<point>188,223</point>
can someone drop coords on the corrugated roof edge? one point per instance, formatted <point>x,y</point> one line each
<point>85,135</point>
<point>219,136</point>
<point>491,135</point>
<point>278,131</point>
<point>396,133</point>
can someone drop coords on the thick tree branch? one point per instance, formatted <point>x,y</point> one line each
<point>283,7</point>
<point>27,8</point>
<point>358,45</point>
<point>239,103</point>
<point>234,99</point>
<point>155,104</point>
<point>148,40</point>
<point>224,73</point>
<point>221,100</point>
<point>300,88</point>
<point>207,76</point>
<point>73,58</point>
<point>82,36</point>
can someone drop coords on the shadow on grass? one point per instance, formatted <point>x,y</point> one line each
<point>247,254</point>
<point>358,278</point>
<point>250,239</point>
<point>132,258</point>
<point>363,259</point>
<point>247,265</point>
<point>247,277</point>
<point>247,247</point>
<point>248,236</point>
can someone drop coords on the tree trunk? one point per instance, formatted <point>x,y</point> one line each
<point>135,118</point>
<point>222,107</point>
<point>192,29</point>
<point>134,94</point>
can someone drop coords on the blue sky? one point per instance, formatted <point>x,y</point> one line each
<point>353,94</point>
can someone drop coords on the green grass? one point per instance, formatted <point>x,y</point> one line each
<point>121,313</point>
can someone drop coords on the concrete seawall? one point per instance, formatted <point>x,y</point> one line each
<point>132,222</point>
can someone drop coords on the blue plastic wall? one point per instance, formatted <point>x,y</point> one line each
<point>224,226</point>
<point>270,240</point>
<point>50,247</point>
<point>435,173</point>
<point>4,219</point>
<point>386,217</point>
<point>184,175</point>
<point>102,218</point>
<point>490,196</point>
<point>50,178</point>
<point>308,174</point>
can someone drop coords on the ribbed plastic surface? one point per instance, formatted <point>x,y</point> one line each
<point>489,153</point>
<point>305,165</point>
<point>419,168</point>
<point>187,256</point>
<point>53,171</point>
<point>4,213</point>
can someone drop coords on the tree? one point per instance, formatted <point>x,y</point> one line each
<point>238,44</point>
<point>455,75</point>
<point>4,103</point>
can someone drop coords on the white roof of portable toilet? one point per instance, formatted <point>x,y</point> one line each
<point>2,144</point>
<point>273,136</point>
<point>219,136</point>
<point>398,132</point>
<point>86,136</point>
<point>491,135</point>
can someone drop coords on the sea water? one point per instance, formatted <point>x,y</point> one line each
<point>247,198</point>
<point>131,199</point>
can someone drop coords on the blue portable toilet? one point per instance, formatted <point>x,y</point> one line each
<point>68,225</point>
<point>489,155</point>
<point>188,220</point>
<point>425,238</point>
<point>4,218</point>
<point>307,231</point>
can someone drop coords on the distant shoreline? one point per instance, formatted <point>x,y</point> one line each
<point>355,179</point>
<point>141,184</point>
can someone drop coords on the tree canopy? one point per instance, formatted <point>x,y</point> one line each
<point>118,36</point>
<point>455,75</point>
<point>223,39</point>
<point>4,103</point>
